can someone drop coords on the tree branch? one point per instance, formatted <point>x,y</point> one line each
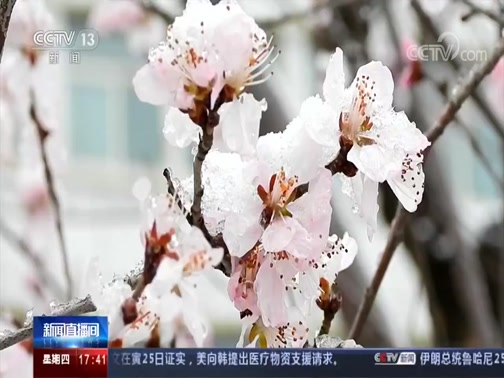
<point>402,217</point>
<point>46,279</point>
<point>6,8</point>
<point>476,9</point>
<point>204,146</point>
<point>72,308</point>
<point>42,134</point>
<point>456,65</point>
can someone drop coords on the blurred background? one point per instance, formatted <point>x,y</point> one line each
<point>445,285</point>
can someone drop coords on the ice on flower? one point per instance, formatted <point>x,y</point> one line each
<point>292,334</point>
<point>211,52</point>
<point>375,143</point>
<point>179,130</point>
<point>283,214</point>
<point>227,179</point>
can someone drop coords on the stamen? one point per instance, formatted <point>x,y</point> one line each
<point>252,83</point>
<point>265,67</point>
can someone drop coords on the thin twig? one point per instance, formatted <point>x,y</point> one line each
<point>402,217</point>
<point>476,9</point>
<point>456,65</point>
<point>42,134</point>
<point>72,308</point>
<point>46,279</point>
<point>6,8</point>
<point>173,191</point>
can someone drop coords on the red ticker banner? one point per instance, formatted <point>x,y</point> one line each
<point>70,363</point>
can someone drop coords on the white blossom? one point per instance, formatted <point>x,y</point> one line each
<point>380,143</point>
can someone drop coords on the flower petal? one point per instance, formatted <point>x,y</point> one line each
<point>239,121</point>
<point>149,88</point>
<point>408,186</point>
<point>334,83</point>
<point>241,232</point>
<point>380,82</point>
<point>271,294</point>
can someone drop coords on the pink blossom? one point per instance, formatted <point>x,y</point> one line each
<point>412,70</point>
<point>207,49</point>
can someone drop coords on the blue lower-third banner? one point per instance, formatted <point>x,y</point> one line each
<point>278,363</point>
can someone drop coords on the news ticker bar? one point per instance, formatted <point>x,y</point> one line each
<point>298,363</point>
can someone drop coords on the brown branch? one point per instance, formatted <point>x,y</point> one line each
<point>42,134</point>
<point>476,9</point>
<point>46,279</point>
<point>72,308</point>
<point>429,25</point>
<point>6,8</point>
<point>204,146</point>
<point>402,217</point>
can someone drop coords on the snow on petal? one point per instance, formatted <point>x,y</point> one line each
<point>179,130</point>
